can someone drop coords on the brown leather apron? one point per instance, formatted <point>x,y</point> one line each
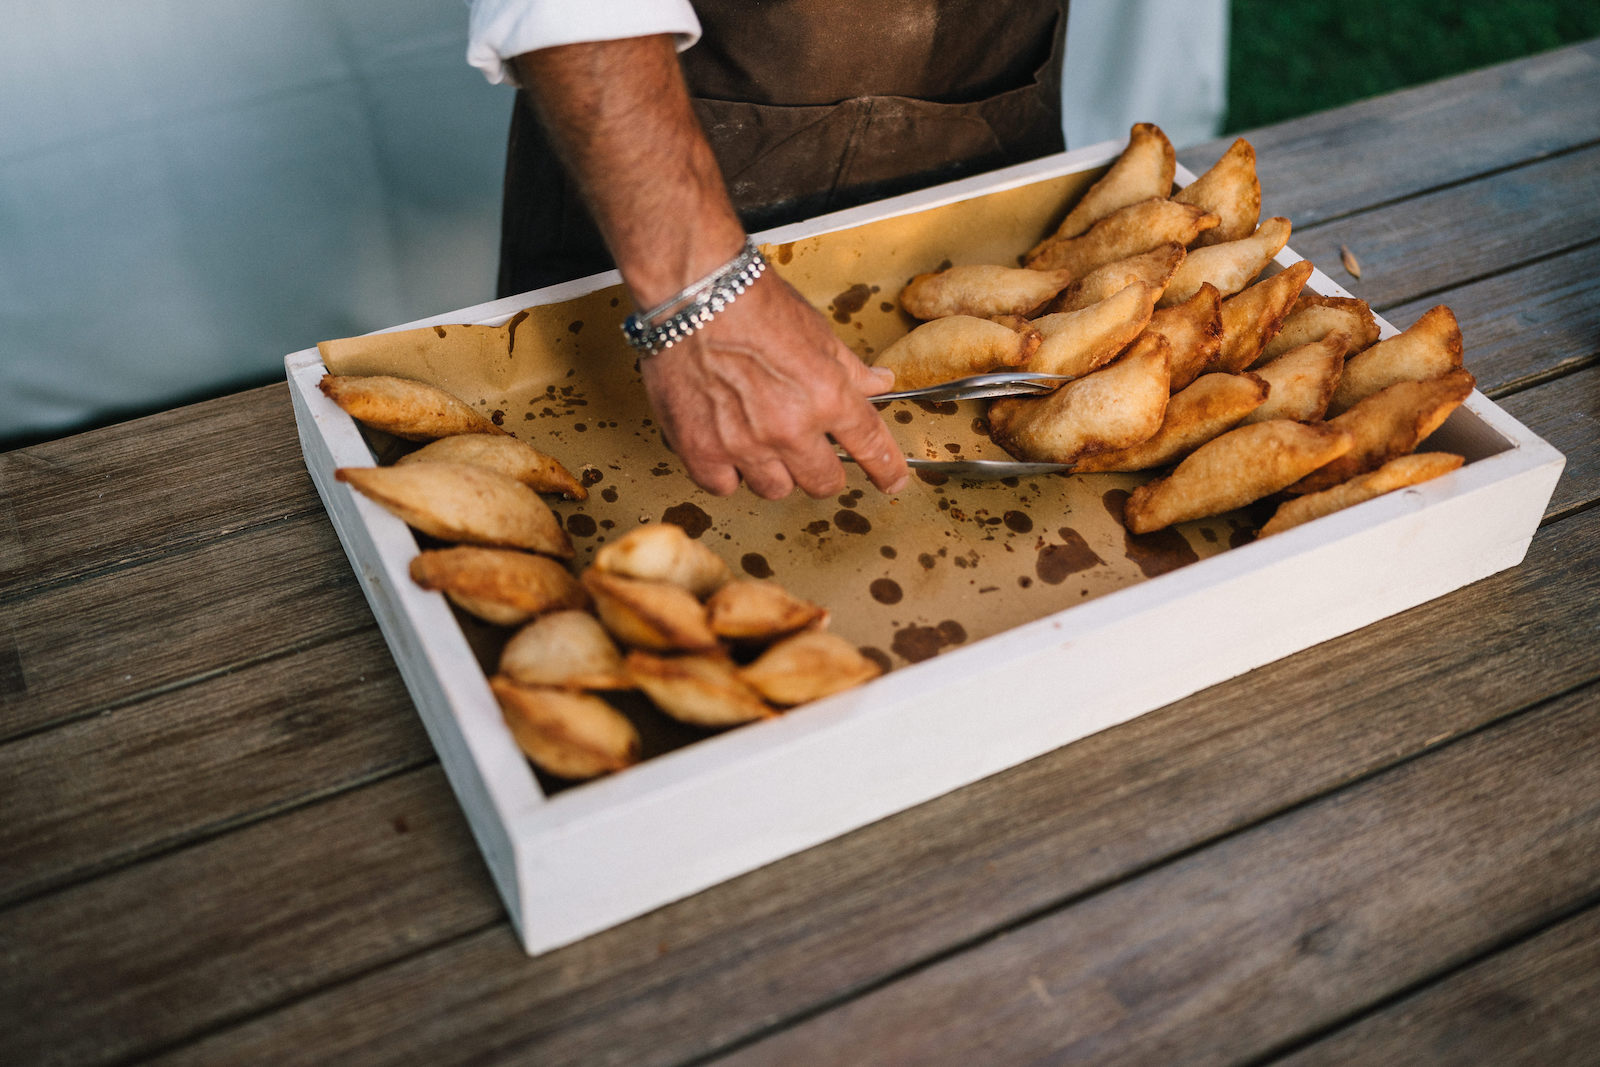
<point>816,105</point>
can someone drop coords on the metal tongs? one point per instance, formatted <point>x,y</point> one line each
<point>979,387</point>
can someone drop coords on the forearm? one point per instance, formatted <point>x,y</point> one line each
<point>619,114</point>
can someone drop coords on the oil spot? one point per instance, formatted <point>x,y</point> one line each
<point>1159,552</point>
<point>580,426</point>
<point>609,494</point>
<point>885,307</point>
<point>786,253</point>
<point>1114,500</point>
<point>851,522</point>
<point>690,517</point>
<point>878,656</point>
<point>902,416</point>
<point>439,330</point>
<point>575,327</point>
<point>886,591</point>
<point>927,561</point>
<point>888,552</point>
<point>850,301</point>
<point>498,417</point>
<point>818,528</point>
<point>1024,581</point>
<point>1017,521</point>
<point>579,525</point>
<point>1055,562</point>
<point>846,500</point>
<point>661,469</point>
<point>932,477</point>
<point>591,476</point>
<point>980,426</point>
<point>953,632</point>
<point>916,643</point>
<point>1209,534</point>
<point>756,565</point>
<point>1241,535</point>
<point>937,407</point>
<point>952,448</point>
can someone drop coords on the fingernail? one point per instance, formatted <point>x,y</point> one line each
<point>899,484</point>
<point>884,376</point>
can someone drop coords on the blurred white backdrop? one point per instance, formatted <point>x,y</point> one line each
<point>191,190</point>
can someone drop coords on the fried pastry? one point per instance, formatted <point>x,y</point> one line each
<point>1230,471</point>
<point>1429,348</point>
<point>746,609</point>
<point>1115,407</point>
<point>956,346</point>
<point>658,616</point>
<point>808,666</point>
<point>1302,380</point>
<point>1315,316</point>
<point>1389,423</point>
<point>498,585</point>
<point>1230,265</point>
<point>1212,405</point>
<point>1143,169</point>
<point>703,690</point>
<point>506,454</point>
<point>1194,330</point>
<point>663,552</point>
<point>462,503</point>
<point>1396,474</point>
<point>566,650</point>
<point>1251,317</point>
<point>570,735</point>
<point>1076,342</point>
<point>1154,268</point>
<point>1126,232</point>
<point>981,290</point>
<point>410,409</point>
<point>1231,191</point>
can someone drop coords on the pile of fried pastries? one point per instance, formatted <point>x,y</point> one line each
<point>1186,358</point>
<point>656,611</point>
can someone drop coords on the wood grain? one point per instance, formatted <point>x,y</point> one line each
<point>1219,956</point>
<point>200,760</point>
<point>1566,413</point>
<point>792,937</point>
<point>1349,159</point>
<point>1533,1003</point>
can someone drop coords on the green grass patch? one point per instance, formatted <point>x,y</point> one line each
<point>1292,58</point>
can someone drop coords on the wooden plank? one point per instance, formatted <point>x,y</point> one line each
<point>1330,164</point>
<point>87,645</point>
<point>143,487</point>
<point>1420,246</point>
<point>784,940</point>
<point>152,776</point>
<point>1223,955</point>
<point>1566,413</point>
<point>1533,1003</point>
<point>1527,324</point>
<point>130,961</point>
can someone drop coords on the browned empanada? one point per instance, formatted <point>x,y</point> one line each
<point>1144,169</point>
<point>1428,348</point>
<point>567,734</point>
<point>1077,342</point>
<point>1126,232</point>
<point>1302,380</point>
<point>663,552</point>
<point>506,454</point>
<point>459,502</point>
<point>413,410</point>
<point>1252,317</point>
<point>956,346</point>
<point>1212,405</point>
<point>567,650</point>
<point>658,616</point>
<point>1230,265</point>
<point>1398,473</point>
<point>981,290</point>
<point>808,666</point>
<point>747,609</point>
<point>703,690</point>
<point>498,585</point>
<point>1231,191</point>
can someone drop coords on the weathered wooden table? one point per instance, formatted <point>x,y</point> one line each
<point>224,837</point>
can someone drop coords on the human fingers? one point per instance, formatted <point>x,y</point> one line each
<point>865,436</point>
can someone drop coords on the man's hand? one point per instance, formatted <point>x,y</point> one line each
<point>759,391</point>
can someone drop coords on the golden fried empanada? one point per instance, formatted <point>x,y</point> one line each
<point>808,666</point>
<point>1076,342</point>
<point>1143,169</point>
<point>1230,471</point>
<point>1315,316</point>
<point>746,609</point>
<point>1252,317</point>
<point>1154,268</point>
<point>663,552</point>
<point>1231,191</point>
<point>703,690</point>
<point>1230,265</point>
<point>1389,423</point>
<point>1115,407</point>
<point>1302,380</point>
<point>458,502</point>
<point>1428,348</point>
<point>1126,232</point>
<point>981,290</point>
<point>955,347</point>
<point>498,585</point>
<point>567,650</point>
<point>1212,405</point>
<point>567,734</point>
<point>410,409</point>
<point>1194,330</point>
<point>506,454</point>
<point>1396,474</point>
<point>658,616</point>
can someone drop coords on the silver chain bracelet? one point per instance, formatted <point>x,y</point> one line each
<point>696,305</point>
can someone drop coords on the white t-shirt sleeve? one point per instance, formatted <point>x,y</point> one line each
<point>497,30</point>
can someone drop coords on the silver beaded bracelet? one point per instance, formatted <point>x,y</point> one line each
<point>695,306</point>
